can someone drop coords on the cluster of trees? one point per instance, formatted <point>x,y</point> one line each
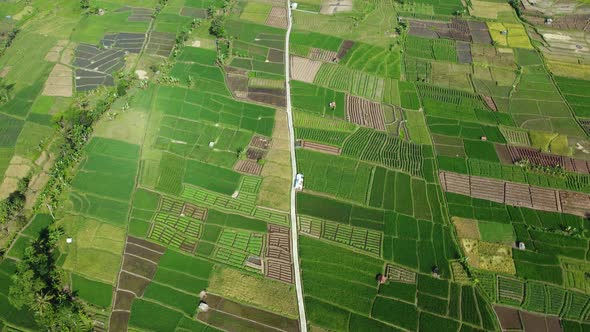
<point>38,286</point>
<point>11,208</point>
<point>5,90</point>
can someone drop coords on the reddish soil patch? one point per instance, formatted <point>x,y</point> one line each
<point>503,153</point>
<point>136,265</point>
<point>344,48</point>
<point>276,56</point>
<point>509,318</point>
<point>237,84</point>
<point>303,69</point>
<point>278,254</point>
<point>188,246</point>
<point>574,203</point>
<point>132,283</point>
<point>457,29</point>
<point>321,147</point>
<point>277,17</point>
<point>248,167</point>
<point>490,103</point>
<point>119,321</point>
<point>516,194</point>
<point>261,142</point>
<point>323,55</point>
<point>123,300</point>
<point>512,154</point>
<point>140,251</point>
<point>147,244</point>
<point>364,113</point>
<point>488,189</point>
<point>279,270</point>
<point>255,154</point>
<point>533,322</point>
<point>553,324</point>
<point>275,97</point>
<point>194,211</point>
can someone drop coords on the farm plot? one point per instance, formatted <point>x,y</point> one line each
<point>432,49</point>
<point>277,256</point>
<point>316,99</point>
<point>318,54</point>
<point>356,237</point>
<point>576,93</point>
<point>353,271</point>
<point>160,43</point>
<point>178,224</point>
<point>128,42</point>
<point>59,83</point>
<point>515,136</point>
<point>370,59</point>
<point>274,97</point>
<point>132,285</point>
<point>514,154</point>
<point>255,12</point>
<point>451,75</point>
<point>377,147</point>
<point>244,203</point>
<point>516,194</point>
<point>355,82</point>
<point>319,147</point>
<point>457,29</point>
<point>227,314</point>
<point>567,47</point>
<point>138,14</point>
<point>106,179</point>
<point>338,176</point>
<point>364,113</point>
<point>509,34</point>
<point>277,18</point>
<point>95,66</point>
<point>200,106</point>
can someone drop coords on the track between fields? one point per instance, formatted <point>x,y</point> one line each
<point>294,239</point>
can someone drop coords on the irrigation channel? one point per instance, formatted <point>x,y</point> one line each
<point>294,239</point>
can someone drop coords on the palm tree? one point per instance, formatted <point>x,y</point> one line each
<point>42,303</point>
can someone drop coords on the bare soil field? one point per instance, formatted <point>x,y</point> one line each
<point>344,48</point>
<point>261,142</point>
<point>278,254</point>
<point>277,17</point>
<point>509,154</point>
<point>59,83</point>
<point>364,113</point>
<point>457,29</point>
<point>248,167</point>
<point>322,55</point>
<point>321,147</point>
<point>331,7</point>
<point>516,194</point>
<point>140,262</point>
<point>303,69</point>
<point>275,97</point>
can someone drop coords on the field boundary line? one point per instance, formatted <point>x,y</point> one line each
<point>294,231</point>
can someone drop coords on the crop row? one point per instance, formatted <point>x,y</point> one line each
<point>391,152</point>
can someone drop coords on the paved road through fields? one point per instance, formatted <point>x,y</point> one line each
<point>294,239</point>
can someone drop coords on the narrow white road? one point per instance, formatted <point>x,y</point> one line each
<point>294,238</point>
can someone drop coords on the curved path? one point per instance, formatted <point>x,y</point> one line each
<point>294,239</point>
